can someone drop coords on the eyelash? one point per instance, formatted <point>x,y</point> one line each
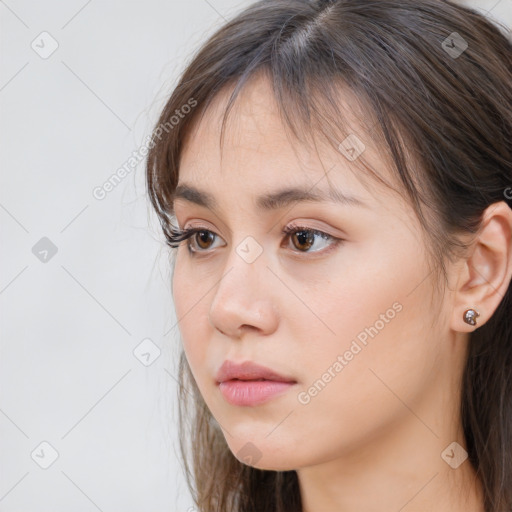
<point>176,236</point>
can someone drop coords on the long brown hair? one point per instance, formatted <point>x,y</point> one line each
<point>435,78</point>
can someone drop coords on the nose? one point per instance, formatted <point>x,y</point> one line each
<point>243,300</point>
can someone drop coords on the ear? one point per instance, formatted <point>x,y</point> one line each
<point>485,275</point>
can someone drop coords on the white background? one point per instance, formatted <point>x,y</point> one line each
<point>69,325</point>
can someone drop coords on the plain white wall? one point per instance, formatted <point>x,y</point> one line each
<point>499,11</point>
<point>69,325</point>
<point>71,320</point>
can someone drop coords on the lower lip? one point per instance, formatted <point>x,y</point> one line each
<point>252,392</point>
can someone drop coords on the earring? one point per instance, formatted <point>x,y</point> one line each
<point>470,316</point>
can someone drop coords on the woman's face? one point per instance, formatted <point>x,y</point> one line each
<point>350,323</point>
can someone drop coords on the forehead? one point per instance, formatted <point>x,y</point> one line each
<point>259,153</point>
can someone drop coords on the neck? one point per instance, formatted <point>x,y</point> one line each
<point>400,469</point>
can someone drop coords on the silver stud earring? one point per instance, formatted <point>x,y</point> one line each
<point>470,316</point>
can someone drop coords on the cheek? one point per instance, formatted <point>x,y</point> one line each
<point>348,296</point>
<point>382,322</point>
<point>189,292</point>
<point>192,298</point>
<point>191,313</point>
<point>380,382</point>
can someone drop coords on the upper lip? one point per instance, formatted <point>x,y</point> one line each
<point>248,370</point>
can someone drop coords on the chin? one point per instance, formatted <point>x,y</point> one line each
<point>265,454</point>
<point>270,464</point>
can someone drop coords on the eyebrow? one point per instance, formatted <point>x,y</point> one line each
<point>272,200</point>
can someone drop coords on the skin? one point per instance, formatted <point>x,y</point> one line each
<point>372,438</point>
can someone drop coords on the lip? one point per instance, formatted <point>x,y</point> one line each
<point>250,384</point>
<point>248,370</point>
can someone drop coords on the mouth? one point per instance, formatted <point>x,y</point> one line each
<point>249,370</point>
<point>256,380</point>
<point>252,392</point>
<point>250,384</point>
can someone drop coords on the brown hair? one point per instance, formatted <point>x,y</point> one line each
<point>432,98</point>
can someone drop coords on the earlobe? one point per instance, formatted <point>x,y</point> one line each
<point>487,271</point>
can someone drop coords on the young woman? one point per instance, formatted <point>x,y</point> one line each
<point>335,180</point>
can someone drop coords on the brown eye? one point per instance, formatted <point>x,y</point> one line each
<point>303,240</point>
<point>203,238</point>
